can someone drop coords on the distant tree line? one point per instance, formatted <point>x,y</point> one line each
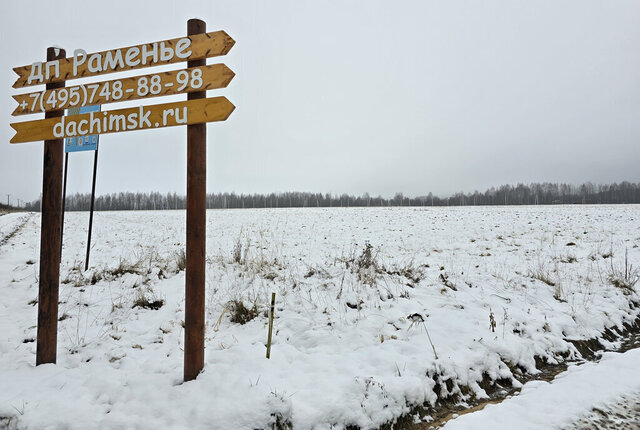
<point>521,194</point>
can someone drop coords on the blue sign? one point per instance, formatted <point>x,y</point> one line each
<point>82,143</point>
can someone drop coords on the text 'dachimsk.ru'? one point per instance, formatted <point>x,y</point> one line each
<point>106,122</point>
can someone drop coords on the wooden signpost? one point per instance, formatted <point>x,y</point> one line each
<point>195,80</point>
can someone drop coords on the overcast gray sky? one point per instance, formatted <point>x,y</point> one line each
<point>360,95</point>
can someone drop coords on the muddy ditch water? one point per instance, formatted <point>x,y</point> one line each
<point>449,408</point>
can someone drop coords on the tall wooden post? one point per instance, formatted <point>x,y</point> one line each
<point>196,231</point>
<point>50,237</point>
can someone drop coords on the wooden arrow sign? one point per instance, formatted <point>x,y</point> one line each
<point>154,85</point>
<point>116,121</point>
<point>196,47</point>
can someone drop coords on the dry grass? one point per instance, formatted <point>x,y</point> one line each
<point>541,273</point>
<point>180,258</point>
<point>147,300</point>
<point>625,276</point>
<point>241,314</point>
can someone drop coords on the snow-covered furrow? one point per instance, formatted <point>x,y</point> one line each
<point>10,224</point>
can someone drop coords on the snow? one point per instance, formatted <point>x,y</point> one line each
<point>9,222</point>
<point>344,350</point>
<point>624,412</point>
<point>544,405</point>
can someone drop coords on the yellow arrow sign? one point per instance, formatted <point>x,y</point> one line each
<point>81,65</point>
<point>118,90</point>
<point>116,121</point>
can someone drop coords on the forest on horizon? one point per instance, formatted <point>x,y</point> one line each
<point>521,194</point>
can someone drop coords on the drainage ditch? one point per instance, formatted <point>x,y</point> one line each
<point>499,390</point>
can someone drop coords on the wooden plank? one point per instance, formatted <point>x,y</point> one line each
<point>50,238</point>
<point>200,46</point>
<point>117,121</point>
<point>118,90</point>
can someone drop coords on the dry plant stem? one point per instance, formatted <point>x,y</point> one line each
<point>216,326</point>
<point>435,354</point>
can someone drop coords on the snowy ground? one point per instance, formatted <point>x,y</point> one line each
<point>622,414</point>
<point>9,223</point>
<point>602,388</point>
<point>344,351</point>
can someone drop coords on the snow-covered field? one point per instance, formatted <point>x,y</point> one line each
<point>344,350</point>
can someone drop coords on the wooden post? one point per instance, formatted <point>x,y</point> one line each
<point>273,308</point>
<point>196,231</point>
<point>64,200</point>
<point>50,238</point>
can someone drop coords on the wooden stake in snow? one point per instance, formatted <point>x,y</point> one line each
<point>273,305</point>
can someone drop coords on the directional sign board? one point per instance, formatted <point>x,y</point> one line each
<point>82,143</point>
<point>85,122</point>
<point>154,85</point>
<point>82,65</point>
<point>190,80</point>
<point>115,121</point>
